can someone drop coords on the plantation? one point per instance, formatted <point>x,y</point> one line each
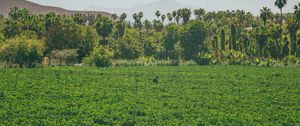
<point>184,95</point>
<point>231,37</point>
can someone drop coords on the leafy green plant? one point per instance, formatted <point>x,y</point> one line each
<point>290,60</point>
<point>100,57</point>
<point>235,57</point>
<point>204,59</point>
<point>22,51</point>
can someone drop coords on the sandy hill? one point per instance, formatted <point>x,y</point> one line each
<point>5,6</point>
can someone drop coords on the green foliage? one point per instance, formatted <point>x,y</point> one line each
<point>280,4</point>
<point>57,39</point>
<point>184,95</point>
<point>290,60</point>
<point>152,46</point>
<point>192,38</point>
<point>171,37</point>
<point>262,37</point>
<point>233,36</point>
<point>204,59</point>
<point>185,14</point>
<point>104,28</point>
<point>297,12</point>
<point>158,25</point>
<point>129,46</point>
<point>79,19</point>
<point>199,13</point>
<point>222,39</point>
<point>22,51</point>
<point>90,39</point>
<point>120,29</point>
<point>265,14</point>
<point>235,57</point>
<point>20,20</point>
<point>220,31</point>
<point>100,57</point>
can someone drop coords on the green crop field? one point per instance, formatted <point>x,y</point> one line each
<point>212,95</point>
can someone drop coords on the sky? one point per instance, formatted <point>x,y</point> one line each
<point>211,5</point>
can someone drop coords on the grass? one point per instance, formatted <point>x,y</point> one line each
<point>185,95</point>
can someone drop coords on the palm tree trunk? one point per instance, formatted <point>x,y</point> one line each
<point>281,18</point>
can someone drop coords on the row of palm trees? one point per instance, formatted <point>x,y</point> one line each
<point>185,14</point>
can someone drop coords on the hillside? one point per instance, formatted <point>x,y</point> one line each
<point>5,6</point>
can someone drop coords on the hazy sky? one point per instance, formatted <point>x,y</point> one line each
<point>248,5</point>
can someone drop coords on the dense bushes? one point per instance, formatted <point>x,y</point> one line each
<point>100,57</point>
<point>192,38</point>
<point>22,51</point>
<point>128,46</point>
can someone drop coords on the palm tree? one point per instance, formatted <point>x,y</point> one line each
<point>199,13</point>
<point>114,16</point>
<point>147,25</point>
<point>185,14</point>
<point>174,14</point>
<point>280,4</point>
<point>163,17</point>
<point>177,18</point>
<point>141,15</point>
<point>157,13</point>
<point>297,13</point>
<point>135,17</point>
<point>265,14</point>
<point>123,16</point>
<point>170,17</point>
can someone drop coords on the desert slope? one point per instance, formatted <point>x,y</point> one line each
<point>5,6</point>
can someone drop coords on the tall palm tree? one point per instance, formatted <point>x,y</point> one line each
<point>174,14</point>
<point>123,16</point>
<point>163,17</point>
<point>114,16</point>
<point>199,13</point>
<point>157,13</point>
<point>280,4</point>
<point>147,25</point>
<point>170,17</point>
<point>265,14</point>
<point>141,15</point>
<point>185,14</point>
<point>297,13</point>
<point>135,16</point>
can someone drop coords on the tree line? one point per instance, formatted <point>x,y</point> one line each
<point>231,37</point>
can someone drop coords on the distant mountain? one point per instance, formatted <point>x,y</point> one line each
<point>148,9</point>
<point>5,6</point>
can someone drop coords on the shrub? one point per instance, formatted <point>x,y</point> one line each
<point>204,59</point>
<point>235,57</point>
<point>63,57</point>
<point>22,51</point>
<point>100,57</point>
<point>290,60</point>
<point>46,61</point>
